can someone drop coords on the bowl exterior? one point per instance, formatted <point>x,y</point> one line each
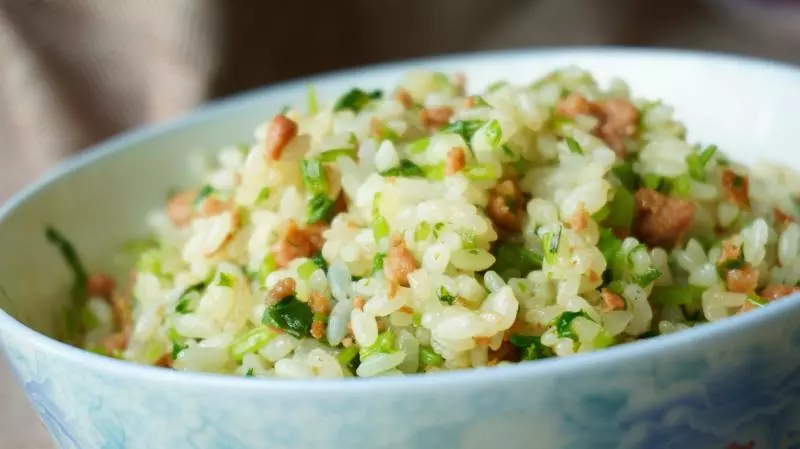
<point>738,390</point>
<point>736,385</point>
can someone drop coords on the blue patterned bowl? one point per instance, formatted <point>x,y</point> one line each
<point>733,384</point>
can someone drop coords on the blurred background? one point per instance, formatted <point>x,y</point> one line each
<point>74,72</point>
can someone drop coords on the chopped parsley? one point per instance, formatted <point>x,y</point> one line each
<point>550,244</point>
<point>334,154</point>
<point>419,145</point>
<point>320,261</point>
<point>621,209</point>
<point>696,162</point>
<point>573,145</point>
<point>320,208</point>
<point>464,128</point>
<point>204,193</point>
<point>356,99</point>
<point>531,346</point>
<point>444,296</point>
<point>564,324</point>
<point>250,373</point>
<point>406,169</point>
<point>648,277</point>
<point>384,343</point>
<point>263,195</point>
<point>377,262</point>
<point>348,358</point>
<point>78,296</point>
<point>176,350</point>
<point>290,314</point>
<point>494,133</point>
<point>512,260</point>
<point>314,176</point>
<point>422,231</point>
<point>188,299</point>
<point>226,280</point>
<point>428,357</point>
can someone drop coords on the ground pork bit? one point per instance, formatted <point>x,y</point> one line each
<point>661,220</point>
<point>212,205</point>
<point>742,280</point>
<point>774,291</point>
<point>165,361</point>
<point>403,97</point>
<point>782,219</point>
<point>319,304</point>
<point>616,118</point>
<point>180,208</point>
<point>612,300</point>
<point>280,132</point>
<point>359,302</point>
<point>579,219</point>
<point>100,285</point>
<point>318,330</point>
<point>297,242</point>
<point>506,352</point>
<point>435,117</point>
<point>730,252</point>
<point>506,206</point>
<point>399,262</point>
<point>114,342</point>
<point>121,311</point>
<point>456,160</point>
<point>283,288</point>
<point>736,188</point>
<point>482,342</point>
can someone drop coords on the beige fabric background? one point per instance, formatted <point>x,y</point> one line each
<point>73,72</point>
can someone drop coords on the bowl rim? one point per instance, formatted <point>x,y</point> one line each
<point>443,380</point>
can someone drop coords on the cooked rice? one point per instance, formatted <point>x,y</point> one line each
<point>549,264</point>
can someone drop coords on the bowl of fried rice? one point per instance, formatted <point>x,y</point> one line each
<point>578,248</point>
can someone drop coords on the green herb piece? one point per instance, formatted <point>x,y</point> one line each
<point>648,277</point>
<point>626,176</point>
<point>564,324</point>
<point>176,350</point>
<point>74,329</point>
<point>226,280</point>
<point>204,193</point>
<point>495,86</point>
<point>336,153</point>
<point>416,319</point>
<point>621,210</point>
<point>428,357</point>
<point>250,373</point>
<point>756,300</point>
<point>307,269</point>
<point>681,187</point>
<point>311,99</point>
<point>377,262</point>
<point>380,228</point>
<point>320,261</point>
<point>573,145</point>
<point>494,133</point>
<point>136,247</point>
<point>263,195</point>
<point>732,264</point>
<point>609,245</point>
<point>468,238</point>
<point>251,341</point>
<point>481,172</point>
<point>445,296</point>
<point>464,128</point>
<point>651,181</point>
<point>384,343</point>
<point>348,357</point>
<point>676,295</point>
<point>512,257</point>
<point>89,319</point>
<point>531,346</point>
<point>406,169</point>
<point>187,301</point>
<point>320,208</point>
<point>314,176</point>
<point>478,101</point>
<point>387,133</point>
<point>617,287</point>
<point>267,266</point>
<point>291,315</point>
<point>550,244</point>
<point>437,229</point>
<point>356,99</point>
<point>434,172</point>
<point>696,162</point>
<point>419,146</point>
<point>422,232</point>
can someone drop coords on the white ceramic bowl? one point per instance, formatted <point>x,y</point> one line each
<point>732,382</point>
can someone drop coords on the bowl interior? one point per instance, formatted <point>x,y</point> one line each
<point>101,199</point>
